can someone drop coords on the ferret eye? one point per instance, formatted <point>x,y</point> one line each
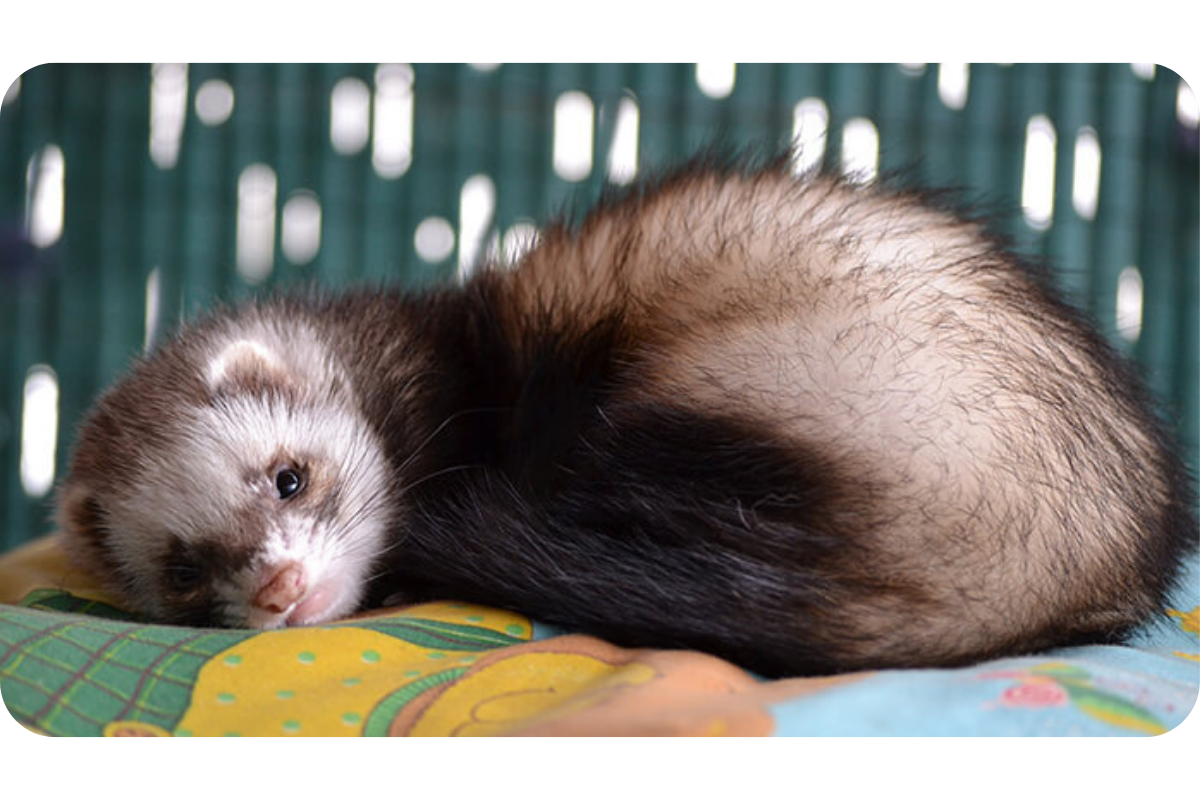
<point>288,481</point>
<point>183,577</point>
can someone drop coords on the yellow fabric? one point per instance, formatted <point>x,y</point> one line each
<point>42,564</point>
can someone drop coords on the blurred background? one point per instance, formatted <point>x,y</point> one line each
<point>132,196</point>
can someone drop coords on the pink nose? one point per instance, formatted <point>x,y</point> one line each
<point>282,589</point>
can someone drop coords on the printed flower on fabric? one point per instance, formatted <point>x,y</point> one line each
<point>1188,620</point>
<point>1055,684</point>
<point>1035,694</point>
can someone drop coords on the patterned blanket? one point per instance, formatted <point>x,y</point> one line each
<point>72,663</point>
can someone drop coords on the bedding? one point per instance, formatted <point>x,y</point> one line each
<point>73,663</point>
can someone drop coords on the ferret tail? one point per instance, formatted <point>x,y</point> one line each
<point>628,547</point>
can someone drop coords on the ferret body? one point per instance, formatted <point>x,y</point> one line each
<point>803,424</point>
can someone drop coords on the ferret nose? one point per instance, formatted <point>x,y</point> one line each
<point>282,589</point>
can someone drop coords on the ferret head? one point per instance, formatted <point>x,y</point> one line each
<point>230,480</point>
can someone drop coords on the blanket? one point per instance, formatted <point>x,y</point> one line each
<point>73,663</point>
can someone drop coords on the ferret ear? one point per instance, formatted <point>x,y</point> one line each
<point>246,365</point>
<point>84,528</point>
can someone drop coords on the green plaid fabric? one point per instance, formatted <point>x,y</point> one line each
<point>70,675</point>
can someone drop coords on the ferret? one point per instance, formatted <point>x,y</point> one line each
<point>802,423</point>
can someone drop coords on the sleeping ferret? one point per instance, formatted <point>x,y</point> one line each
<point>801,423</point>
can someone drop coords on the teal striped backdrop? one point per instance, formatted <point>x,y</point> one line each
<point>150,161</point>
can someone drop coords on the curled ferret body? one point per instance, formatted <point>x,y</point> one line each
<point>797,422</point>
